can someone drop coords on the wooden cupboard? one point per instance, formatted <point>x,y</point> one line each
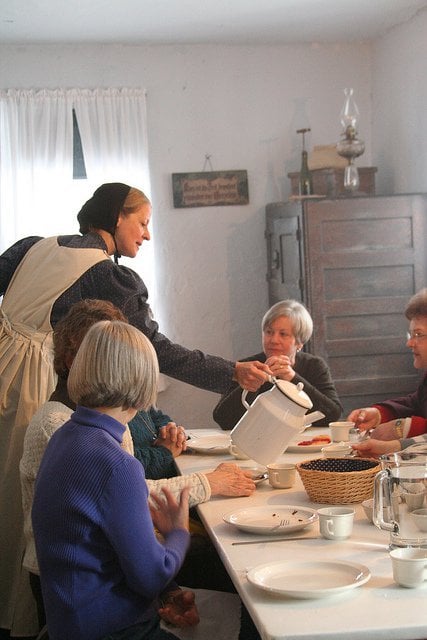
<point>354,262</point>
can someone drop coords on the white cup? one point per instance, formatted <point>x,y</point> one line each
<point>340,431</point>
<point>409,566</point>
<point>237,452</point>
<point>336,523</point>
<point>281,476</point>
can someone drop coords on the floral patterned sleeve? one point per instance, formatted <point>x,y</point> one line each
<point>200,490</point>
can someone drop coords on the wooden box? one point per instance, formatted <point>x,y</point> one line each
<point>330,182</point>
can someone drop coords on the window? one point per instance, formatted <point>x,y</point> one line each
<point>57,146</point>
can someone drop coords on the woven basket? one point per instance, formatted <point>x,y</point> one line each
<point>339,480</point>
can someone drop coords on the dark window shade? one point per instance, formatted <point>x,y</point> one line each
<point>79,169</point>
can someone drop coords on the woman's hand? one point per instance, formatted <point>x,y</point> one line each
<point>229,480</point>
<point>168,513</point>
<point>366,418</point>
<point>282,367</point>
<point>179,608</point>
<point>251,375</point>
<point>373,448</point>
<point>172,437</point>
<point>385,431</point>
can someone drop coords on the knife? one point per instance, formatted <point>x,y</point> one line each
<point>275,540</point>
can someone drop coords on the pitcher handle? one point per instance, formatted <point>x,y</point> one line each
<point>381,484</point>
<point>244,394</point>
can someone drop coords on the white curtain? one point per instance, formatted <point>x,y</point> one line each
<point>38,195</point>
<point>114,135</point>
<point>36,162</point>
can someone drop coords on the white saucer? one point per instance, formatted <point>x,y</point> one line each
<point>211,445</point>
<point>258,473</point>
<point>308,579</point>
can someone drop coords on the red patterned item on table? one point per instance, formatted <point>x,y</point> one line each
<point>315,440</point>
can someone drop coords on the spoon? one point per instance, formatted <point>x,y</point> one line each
<point>365,435</point>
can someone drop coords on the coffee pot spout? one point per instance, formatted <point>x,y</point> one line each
<point>314,416</point>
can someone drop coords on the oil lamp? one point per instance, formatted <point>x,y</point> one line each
<point>350,146</point>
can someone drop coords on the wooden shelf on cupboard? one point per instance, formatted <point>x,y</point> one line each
<point>354,262</point>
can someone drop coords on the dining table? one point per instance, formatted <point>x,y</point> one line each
<point>376,608</point>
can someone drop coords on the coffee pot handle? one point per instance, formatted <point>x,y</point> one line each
<point>244,394</point>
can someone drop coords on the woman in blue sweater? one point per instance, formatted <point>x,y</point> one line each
<point>102,568</point>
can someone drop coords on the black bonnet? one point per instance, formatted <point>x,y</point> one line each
<point>103,208</point>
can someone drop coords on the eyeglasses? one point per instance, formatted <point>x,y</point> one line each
<point>415,335</point>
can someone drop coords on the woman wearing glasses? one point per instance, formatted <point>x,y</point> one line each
<point>400,422</point>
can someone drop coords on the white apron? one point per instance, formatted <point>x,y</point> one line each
<point>27,379</point>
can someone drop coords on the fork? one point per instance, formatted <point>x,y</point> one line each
<point>283,522</point>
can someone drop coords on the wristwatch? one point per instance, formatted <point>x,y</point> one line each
<point>398,428</point>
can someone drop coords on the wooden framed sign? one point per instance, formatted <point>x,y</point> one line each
<point>210,189</point>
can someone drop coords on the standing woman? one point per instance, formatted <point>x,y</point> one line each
<point>40,279</point>
<point>286,327</point>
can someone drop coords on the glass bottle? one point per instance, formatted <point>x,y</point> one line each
<point>305,178</point>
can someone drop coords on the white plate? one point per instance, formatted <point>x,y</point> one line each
<point>266,520</point>
<point>309,448</point>
<point>308,579</point>
<point>294,447</point>
<point>218,443</point>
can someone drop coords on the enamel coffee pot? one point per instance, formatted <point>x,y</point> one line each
<point>272,420</point>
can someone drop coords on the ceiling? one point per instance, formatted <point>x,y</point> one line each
<point>200,21</point>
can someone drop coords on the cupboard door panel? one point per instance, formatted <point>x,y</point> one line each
<point>284,253</point>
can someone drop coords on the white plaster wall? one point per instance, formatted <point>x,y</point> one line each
<point>242,105</point>
<point>399,89</point>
